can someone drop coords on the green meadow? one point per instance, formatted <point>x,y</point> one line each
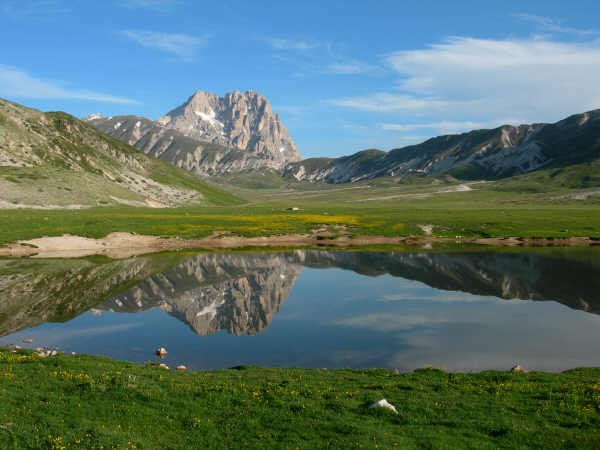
<point>520,208</point>
<point>93,402</point>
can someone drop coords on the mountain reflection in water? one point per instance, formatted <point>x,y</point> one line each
<point>242,293</point>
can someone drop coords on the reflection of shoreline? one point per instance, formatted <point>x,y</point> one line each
<point>36,291</point>
<point>125,245</point>
<point>240,293</point>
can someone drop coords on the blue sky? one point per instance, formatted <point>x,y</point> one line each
<point>343,75</point>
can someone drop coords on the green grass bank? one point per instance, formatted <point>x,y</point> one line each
<point>93,402</point>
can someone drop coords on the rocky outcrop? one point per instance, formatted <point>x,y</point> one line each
<point>481,154</point>
<point>210,135</point>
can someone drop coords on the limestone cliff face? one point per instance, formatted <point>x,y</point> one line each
<point>240,120</point>
<point>210,135</point>
<point>237,293</point>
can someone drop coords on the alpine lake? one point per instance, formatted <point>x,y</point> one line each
<point>462,308</point>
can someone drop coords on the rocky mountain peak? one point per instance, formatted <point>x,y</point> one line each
<point>93,117</point>
<point>243,121</point>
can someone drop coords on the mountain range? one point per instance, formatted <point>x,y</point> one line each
<point>482,154</point>
<point>210,135</point>
<point>74,165</point>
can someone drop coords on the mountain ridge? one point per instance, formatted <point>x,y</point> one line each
<point>480,154</point>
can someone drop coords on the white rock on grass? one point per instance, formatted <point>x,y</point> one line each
<point>182,367</point>
<point>383,403</point>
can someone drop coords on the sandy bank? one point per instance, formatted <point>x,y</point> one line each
<point>125,245</point>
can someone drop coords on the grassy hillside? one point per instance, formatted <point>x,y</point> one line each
<point>577,176</point>
<point>91,402</point>
<point>56,159</point>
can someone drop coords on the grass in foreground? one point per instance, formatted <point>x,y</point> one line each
<point>92,402</point>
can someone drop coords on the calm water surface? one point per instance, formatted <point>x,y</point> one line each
<point>462,310</point>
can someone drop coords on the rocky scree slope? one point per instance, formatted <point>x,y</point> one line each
<point>481,154</point>
<point>210,135</point>
<point>53,160</point>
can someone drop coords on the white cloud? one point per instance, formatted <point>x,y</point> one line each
<point>183,46</point>
<point>56,334</point>
<point>286,44</point>
<point>447,126</point>
<point>353,67</point>
<point>554,26</point>
<point>149,4</point>
<point>386,102</point>
<point>429,295</point>
<point>16,83</point>
<point>33,9</point>
<point>533,79</point>
<point>388,322</point>
<point>318,58</point>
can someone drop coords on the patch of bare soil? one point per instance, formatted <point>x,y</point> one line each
<point>427,229</point>
<point>8,205</point>
<point>458,188</point>
<point>125,245</point>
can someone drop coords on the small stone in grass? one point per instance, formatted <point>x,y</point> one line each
<point>182,367</point>
<point>383,403</point>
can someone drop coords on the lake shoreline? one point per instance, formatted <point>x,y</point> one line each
<point>119,245</point>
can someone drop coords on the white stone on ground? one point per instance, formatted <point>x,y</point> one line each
<point>383,403</point>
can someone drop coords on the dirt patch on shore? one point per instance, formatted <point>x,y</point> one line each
<point>125,245</point>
